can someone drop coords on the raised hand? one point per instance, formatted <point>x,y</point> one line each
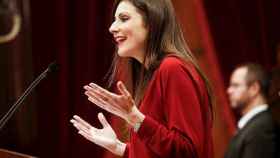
<point>104,137</point>
<point>121,104</point>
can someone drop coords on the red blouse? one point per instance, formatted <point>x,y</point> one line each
<point>178,119</point>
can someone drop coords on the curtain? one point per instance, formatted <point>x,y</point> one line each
<point>20,132</point>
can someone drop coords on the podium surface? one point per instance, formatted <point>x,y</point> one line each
<point>11,154</point>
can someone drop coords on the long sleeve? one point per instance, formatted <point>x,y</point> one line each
<point>261,146</point>
<point>126,152</point>
<point>260,137</point>
<point>183,135</point>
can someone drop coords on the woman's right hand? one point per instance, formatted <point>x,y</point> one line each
<point>121,105</point>
<point>105,137</point>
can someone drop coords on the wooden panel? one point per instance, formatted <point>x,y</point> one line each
<point>11,154</point>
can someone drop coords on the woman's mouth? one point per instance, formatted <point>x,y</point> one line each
<point>120,39</point>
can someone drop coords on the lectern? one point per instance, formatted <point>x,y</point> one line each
<point>11,154</point>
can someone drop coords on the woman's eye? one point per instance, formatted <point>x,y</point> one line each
<point>123,19</point>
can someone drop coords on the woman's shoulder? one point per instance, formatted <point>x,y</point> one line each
<point>174,63</point>
<point>176,67</point>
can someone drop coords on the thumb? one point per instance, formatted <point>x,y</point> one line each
<point>103,120</point>
<point>122,88</point>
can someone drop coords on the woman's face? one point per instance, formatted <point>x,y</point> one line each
<point>129,31</point>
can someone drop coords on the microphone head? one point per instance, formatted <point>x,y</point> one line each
<point>53,67</point>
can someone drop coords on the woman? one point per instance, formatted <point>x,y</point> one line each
<point>170,110</point>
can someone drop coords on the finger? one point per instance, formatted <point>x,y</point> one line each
<point>103,96</point>
<point>122,88</point>
<point>103,120</point>
<point>83,122</point>
<point>111,109</point>
<point>106,105</point>
<point>86,135</point>
<point>86,87</point>
<point>97,95</point>
<point>98,102</point>
<point>101,91</point>
<point>80,127</point>
<point>95,89</point>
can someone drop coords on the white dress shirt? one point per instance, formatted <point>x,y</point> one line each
<point>249,115</point>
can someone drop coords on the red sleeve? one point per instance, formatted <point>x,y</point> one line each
<point>183,134</point>
<point>126,152</point>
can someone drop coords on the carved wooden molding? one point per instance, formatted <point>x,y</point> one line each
<point>14,31</point>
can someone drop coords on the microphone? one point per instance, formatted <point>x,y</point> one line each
<point>51,68</point>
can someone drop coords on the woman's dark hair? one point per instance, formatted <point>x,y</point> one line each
<point>164,37</point>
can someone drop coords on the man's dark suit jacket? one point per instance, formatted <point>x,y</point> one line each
<point>257,139</point>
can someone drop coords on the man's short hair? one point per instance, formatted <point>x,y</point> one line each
<point>256,73</point>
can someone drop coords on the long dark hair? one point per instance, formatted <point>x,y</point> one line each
<point>164,37</point>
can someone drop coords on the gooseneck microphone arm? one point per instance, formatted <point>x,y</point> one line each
<point>51,68</point>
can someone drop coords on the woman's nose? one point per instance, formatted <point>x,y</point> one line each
<point>113,28</point>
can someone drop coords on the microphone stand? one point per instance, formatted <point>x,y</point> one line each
<point>51,68</point>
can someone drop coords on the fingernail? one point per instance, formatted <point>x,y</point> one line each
<point>100,114</point>
<point>93,85</point>
<point>87,87</point>
<point>119,82</point>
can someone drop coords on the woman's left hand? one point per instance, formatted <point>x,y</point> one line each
<point>121,105</point>
<point>104,137</point>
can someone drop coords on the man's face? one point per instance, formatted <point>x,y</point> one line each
<point>238,89</point>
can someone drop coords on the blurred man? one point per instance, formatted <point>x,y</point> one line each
<point>256,135</point>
